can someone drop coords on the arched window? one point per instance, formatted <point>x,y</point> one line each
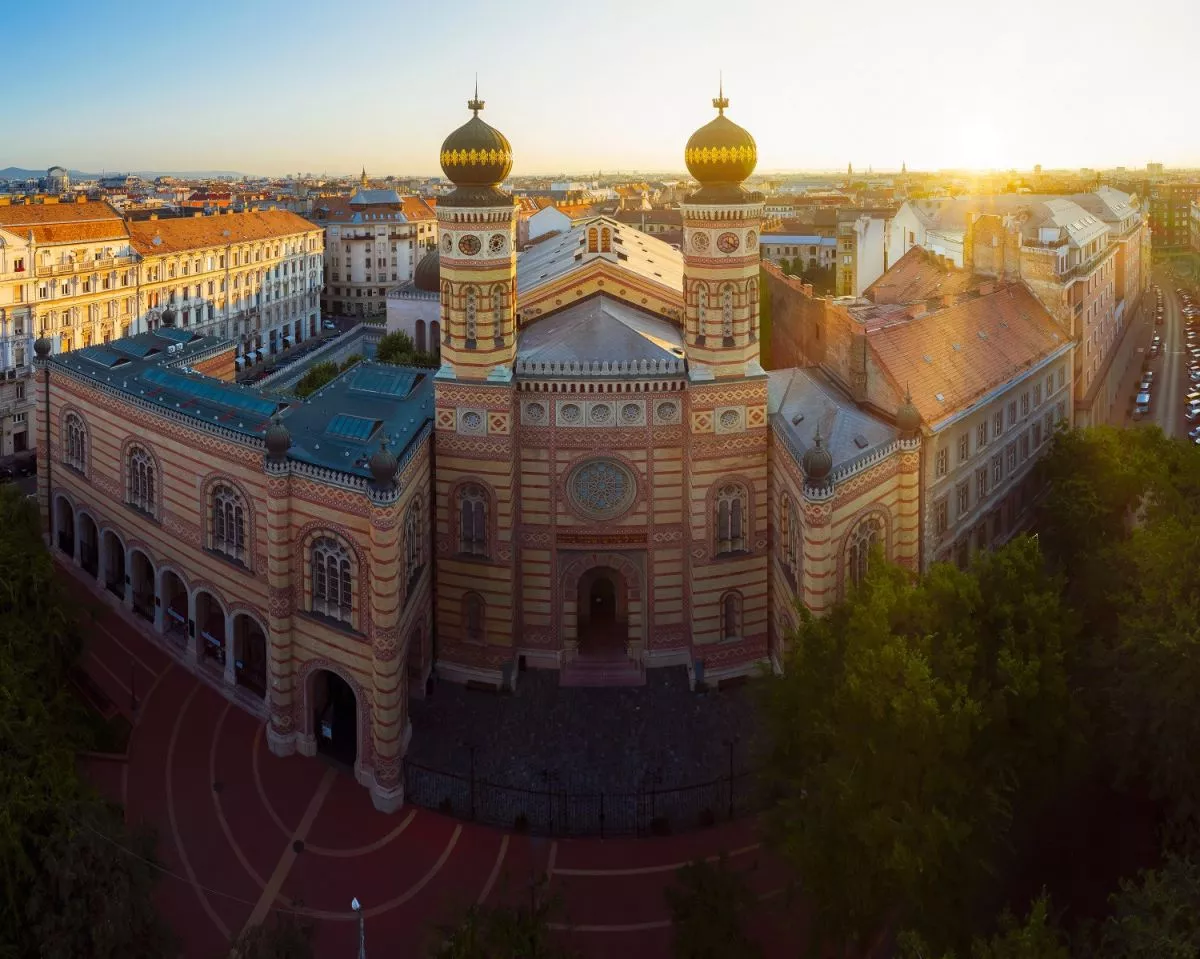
<point>141,481</point>
<point>701,308</point>
<point>472,308</point>
<point>497,312</point>
<point>472,509</point>
<point>731,615</point>
<point>727,312</point>
<point>592,246</point>
<point>863,537</point>
<point>229,523</point>
<point>473,617</point>
<point>605,240</point>
<point>414,542</point>
<point>731,519</point>
<point>789,535</point>
<point>332,586</point>
<point>75,442</point>
<point>752,301</point>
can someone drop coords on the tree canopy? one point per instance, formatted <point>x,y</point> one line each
<point>398,348</point>
<point>75,881</point>
<point>709,903</point>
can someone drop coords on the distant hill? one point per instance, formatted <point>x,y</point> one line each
<point>20,173</point>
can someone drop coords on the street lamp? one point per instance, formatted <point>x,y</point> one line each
<point>362,933</point>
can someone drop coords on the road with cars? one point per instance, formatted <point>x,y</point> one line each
<point>1171,363</point>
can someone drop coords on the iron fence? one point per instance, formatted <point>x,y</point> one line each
<point>554,811</point>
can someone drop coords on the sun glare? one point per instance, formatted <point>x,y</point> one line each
<point>978,146</point>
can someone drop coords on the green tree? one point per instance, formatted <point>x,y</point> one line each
<point>73,881</point>
<point>1038,937</point>
<point>1158,915</point>
<point>899,732</point>
<point>317,376</point>
<point>284,936</point>
<point>710,904</point>
<point>504,931</point>
<point>398,348</point>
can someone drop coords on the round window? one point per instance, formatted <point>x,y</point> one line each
<point>601,489</point>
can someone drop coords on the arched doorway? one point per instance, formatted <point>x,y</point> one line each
<point>335,716</point>
<point>64,525</point>
<point>250,654</point>
<point>603,625</point>
<point>114,563</point>
<point>210,629</point>
<point>174,606</point>
<point>89,545</point>
<point>141,576</point>
<point>419,339</point>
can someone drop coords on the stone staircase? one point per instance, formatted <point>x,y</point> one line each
<point>607,670</point>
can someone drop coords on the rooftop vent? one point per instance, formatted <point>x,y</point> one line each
<point>939,397</point>
<point>927,358</point>
<point>982,335</point>
<point>860,441</point>
<point>957,347</point>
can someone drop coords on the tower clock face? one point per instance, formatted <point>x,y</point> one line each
<point>497,243</point>
<point>448,243</point>
<point>468,244</point>
<point>728,242</point>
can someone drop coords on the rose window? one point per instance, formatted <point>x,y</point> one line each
<point>667,412</point>
<point>535,412</point>
<point>730,419</point>
<point>570,413</point>
<point>601,414</point>
<point>601,489</point>
<point>631,413</point>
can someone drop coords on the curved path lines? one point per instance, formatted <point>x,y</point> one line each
<point>243,832</point>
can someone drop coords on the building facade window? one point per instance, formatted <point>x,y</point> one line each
<point>75,442</point>
<point>141,481</point>
<point>964,499</point>
<point>727,313</point>
<point>863,538</point>
<point>731,519</point>
<point>942,462</point>
<point>731,615</point>
<point>964,447</point>
<point>332,582</point>
<point>228,523</point>
<point>473,610</point>
<point>998,423</point>
<point>414,542</point>
<point>472,513</point>
<point>981,438</point>
<point>941,516</point>
<point>789,530</point>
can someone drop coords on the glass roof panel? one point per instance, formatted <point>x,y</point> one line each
<point>357,429</point>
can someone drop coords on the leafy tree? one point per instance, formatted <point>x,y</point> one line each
<point>504,931</point>
<point>1158,915</point>
<point>285,936</point>
<point>709,905</point>
<point>1038,937</point>
<point>398,348</point>
<point>73,882</point>
<point>317,376</point>
<point>900,731</point>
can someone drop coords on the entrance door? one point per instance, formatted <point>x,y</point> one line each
<point>335,717</point>
<point>604,603</point>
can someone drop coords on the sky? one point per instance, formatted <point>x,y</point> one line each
<point>273,87</point>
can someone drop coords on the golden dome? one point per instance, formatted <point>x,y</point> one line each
<point>721,152</point>
<point>476,154</point>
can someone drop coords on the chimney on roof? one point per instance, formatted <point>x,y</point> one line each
<point>808,289</point>
<point>916,309</point>
<point>949,299</point>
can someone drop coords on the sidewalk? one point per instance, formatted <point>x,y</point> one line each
<point>1141,330</point>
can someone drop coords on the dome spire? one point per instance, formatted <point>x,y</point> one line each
<point>475,104</point>
<point>721,101</point>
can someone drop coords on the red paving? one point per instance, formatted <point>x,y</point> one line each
<point>411,869</point>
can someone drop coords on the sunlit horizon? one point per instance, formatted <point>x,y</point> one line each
<point>277,90</point>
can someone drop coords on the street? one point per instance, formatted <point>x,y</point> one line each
<point>1170,368</point>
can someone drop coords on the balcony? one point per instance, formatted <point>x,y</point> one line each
<point>84,266</point>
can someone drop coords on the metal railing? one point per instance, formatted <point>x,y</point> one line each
<point>554,811</point>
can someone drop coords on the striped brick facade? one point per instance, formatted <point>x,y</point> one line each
<point>175,576</point>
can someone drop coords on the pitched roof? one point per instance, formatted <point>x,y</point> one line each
<point>64,222</point>
<point>918,275</point>
<point>660,215</point>
<point>964,351</point>
<point>801,399</point>
<point>188,233</point>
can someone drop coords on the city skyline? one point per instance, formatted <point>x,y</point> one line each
<point>620,91</point>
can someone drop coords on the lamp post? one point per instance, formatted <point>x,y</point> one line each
<point>362,932</point>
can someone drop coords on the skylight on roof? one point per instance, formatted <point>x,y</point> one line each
<point>356,429</point>
<point>395,383</point>
<point>212,391</point>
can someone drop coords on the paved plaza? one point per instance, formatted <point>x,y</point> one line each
<point>242,832</point>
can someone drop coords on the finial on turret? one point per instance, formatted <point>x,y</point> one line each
<point>475,103</point>
<point>721,101</point>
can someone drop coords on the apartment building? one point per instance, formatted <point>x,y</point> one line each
<point>983,362</point>
<point>81,276</point>
<point>862,250</point>
<point>1170,212</point>
<point>1086,257</point>
<point>252,277</point>
<point>373,242</point>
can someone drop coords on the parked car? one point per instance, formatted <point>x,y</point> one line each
<point>1142,404</point>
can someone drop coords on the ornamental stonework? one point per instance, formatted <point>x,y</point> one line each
<point>601,489</point>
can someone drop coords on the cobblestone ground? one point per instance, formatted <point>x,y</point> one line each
<point>592,738</point>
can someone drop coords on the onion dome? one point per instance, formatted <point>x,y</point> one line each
<point>278,439</point>
<point>42,347</point>
<point>168,316</point>
<point>383,465</point>
<point>817,462</point>
<point>721,153</point>
<point>908,419</point>
<point>428,274</point>
<point>476,155</point>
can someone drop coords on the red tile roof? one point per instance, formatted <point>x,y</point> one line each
<point>64,222</point>
<point>965,351</point>
<point>193,232</point>
<point>920,275</point>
